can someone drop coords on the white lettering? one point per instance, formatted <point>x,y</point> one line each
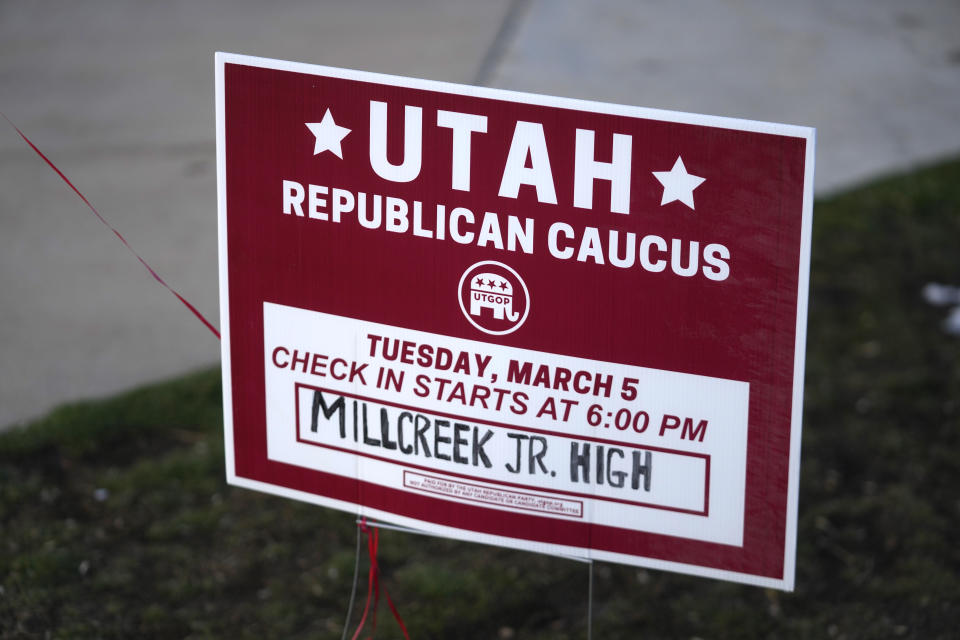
<point>676,256</point>
<point>556,229</point>
<point>315,202</point>
<point>590,246</point>
<point>490,231</point>
<point>292,197</point>
<point>343,202</point>
<point>396,217</point>
<point>412,143</point>
<point>587,169</point>
<point>655,266</point>
<point>522,235</point>
<point>373,220</point>
<point>629,253</point>
<point>418,229</point>
<point>716,256</point>
<point>528,140</point>
<point>463,125</point>
<point>456,216</point>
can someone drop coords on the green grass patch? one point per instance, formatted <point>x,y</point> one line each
<point>117,523</point>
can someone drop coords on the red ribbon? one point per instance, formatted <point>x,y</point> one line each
<point>373,585</point>
<point>153,273</point>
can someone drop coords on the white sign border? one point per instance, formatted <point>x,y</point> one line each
<point>806,133</point>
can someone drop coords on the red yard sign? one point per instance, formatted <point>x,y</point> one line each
<point>564,326</point>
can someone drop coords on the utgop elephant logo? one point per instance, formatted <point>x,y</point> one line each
<point>490,291</point>
<point>493,297</point>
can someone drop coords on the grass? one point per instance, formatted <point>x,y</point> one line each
<point>117,523</point>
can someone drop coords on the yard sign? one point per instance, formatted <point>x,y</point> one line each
<point>563,326</point>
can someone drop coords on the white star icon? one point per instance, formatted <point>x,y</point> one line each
<point>678,184</point>
<point>329,135</point>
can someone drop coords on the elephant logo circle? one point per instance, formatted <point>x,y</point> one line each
<point>493,297</point>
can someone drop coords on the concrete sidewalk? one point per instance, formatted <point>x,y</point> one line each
<point>120,96</point>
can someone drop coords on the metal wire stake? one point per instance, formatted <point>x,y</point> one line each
<point>353,591</point>
<point>590,603</point>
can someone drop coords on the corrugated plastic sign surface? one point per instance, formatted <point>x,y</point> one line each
<point>571,327</point>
